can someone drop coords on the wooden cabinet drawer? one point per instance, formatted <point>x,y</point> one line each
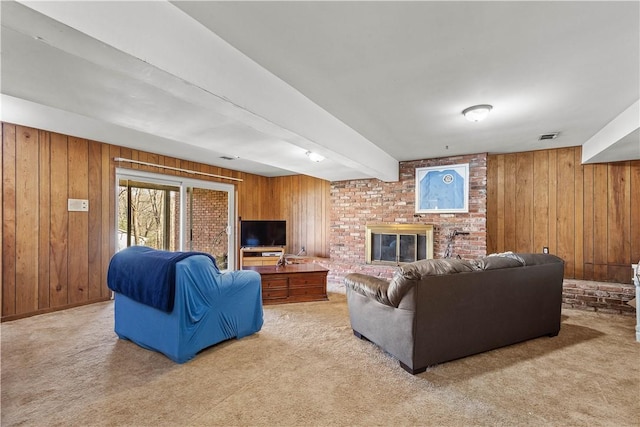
<point>278,293</point>
<point>274,283</point>
<point>307,280</point>
<point>252,261</point>
<point>307,290</point>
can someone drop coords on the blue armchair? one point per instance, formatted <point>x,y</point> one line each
<point>207,306</point>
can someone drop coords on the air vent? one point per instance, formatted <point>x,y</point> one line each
<point>228,157</point>
<point>551,135</point>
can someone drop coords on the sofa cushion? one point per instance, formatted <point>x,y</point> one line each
<point>409,274</point>
<point>369,286</point>
<point>495,262</point>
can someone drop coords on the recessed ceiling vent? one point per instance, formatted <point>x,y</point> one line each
<point>551,135</point>
<point>228,157</point>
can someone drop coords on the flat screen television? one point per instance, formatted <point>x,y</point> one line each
<point>255,233</point>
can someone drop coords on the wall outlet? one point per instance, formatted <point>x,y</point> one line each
<point>545,250</point>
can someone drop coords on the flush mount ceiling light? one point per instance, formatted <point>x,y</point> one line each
<point>315,157</point>
<point>477,112</point>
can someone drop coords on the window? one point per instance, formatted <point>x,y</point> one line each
<point>147,215</point>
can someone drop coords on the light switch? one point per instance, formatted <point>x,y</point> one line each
<point>78,205</point>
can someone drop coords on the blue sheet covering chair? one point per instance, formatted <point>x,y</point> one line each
<point>178,303</point>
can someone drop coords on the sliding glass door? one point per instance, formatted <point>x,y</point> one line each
<point>175,214</point>
<point>147,215</point>
<point>207,223</point>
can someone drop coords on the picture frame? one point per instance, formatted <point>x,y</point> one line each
<point>442,189</point>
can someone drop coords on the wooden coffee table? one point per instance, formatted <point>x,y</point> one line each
<point>292,283</point>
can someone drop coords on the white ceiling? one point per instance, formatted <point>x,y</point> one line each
<point>366,84</point>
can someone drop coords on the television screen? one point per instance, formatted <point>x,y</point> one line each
<point>263,233</point>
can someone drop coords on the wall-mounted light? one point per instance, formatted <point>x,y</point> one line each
<point>315,157</point>
<point>477,112</point>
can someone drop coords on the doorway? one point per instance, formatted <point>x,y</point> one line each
<point>175,214</point>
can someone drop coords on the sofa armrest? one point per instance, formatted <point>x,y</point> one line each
<point>369,286</point>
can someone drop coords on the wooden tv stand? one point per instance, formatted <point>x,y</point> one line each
<point>260,255</point>
<point>292,283</point>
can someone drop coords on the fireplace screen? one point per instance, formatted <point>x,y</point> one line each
<point>399,243</point>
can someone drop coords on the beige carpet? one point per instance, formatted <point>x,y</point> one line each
<point>306,368</point>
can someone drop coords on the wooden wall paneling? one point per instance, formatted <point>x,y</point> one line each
<point>617,212</point>
<point>553,202</point>
<point>134,155</point>
<point>500,204</point>
<point>588,215</point>
<point>492,204</point>
<point>578,235</point>
<point>619,224</point>
<point>106,225</point>
<point>292,210</point>
<point>600,223</point>
<point>304,211</point>
<point>635,211</point>
<point>170,162</point>
<point>510,203</point>
<point>8,219</point>
<point>320,218</point>
<point>1,216</point>
<point>59,225</point>
<point>125,153</point>
<point>27,220</point>
<point>315,239</point>
<point>78,221</point>
<point>114,152</point>
<point>94,255</point>
<point>540,200</point>
<point>44,213</point>
<point>154,159</point>
<point>565,210</point>
<point>315,213</point>
<point>524,202</point>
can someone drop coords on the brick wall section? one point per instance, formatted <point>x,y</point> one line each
<point>210,212</point>
<point>211,207</point>
<point>359,202</point>
<point>598,296</point>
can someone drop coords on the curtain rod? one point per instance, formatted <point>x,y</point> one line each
<point>121,159</point>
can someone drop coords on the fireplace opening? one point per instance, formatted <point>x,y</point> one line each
<point>396,244</point>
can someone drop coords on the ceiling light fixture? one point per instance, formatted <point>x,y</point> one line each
<point>477,112</point>
<point>315,157</point>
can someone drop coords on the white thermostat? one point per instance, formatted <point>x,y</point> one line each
<point>78,205</point>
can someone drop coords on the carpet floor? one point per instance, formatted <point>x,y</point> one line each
<point>305,367</point>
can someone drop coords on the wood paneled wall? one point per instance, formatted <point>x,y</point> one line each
<point>51,257</point>
<point>54,259</point>
<point>304,202</point>
<point>589,215</point>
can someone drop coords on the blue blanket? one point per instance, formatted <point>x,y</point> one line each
<point>147,275</point>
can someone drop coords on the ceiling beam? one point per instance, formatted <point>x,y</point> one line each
<point>163,36</point>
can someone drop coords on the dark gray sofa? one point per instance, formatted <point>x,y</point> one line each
<point>438,310</point>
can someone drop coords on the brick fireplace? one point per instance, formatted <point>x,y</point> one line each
<point>356,203</point>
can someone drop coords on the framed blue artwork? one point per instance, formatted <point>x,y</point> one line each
<point>442,189</point>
